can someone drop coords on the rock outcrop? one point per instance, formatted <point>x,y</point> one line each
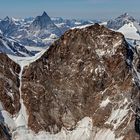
<point>9,84</point>
<point>85,73</point>
<point>9,93</point>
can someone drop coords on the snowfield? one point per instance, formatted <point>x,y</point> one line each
<point>83,131</point>
<point>25,61</point>
<point>130,31</point>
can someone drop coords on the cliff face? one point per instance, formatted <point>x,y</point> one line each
<point>82,74</point>
<point>9,93</point>
<point>9,84</point>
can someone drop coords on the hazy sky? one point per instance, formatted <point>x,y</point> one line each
<point>86,9</point>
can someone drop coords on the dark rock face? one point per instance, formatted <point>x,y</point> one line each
<point>4,133</point>
<point>9,92</point>
<point>45,25</point>
<point>41,22</point>
<point>75,77</point>
<point>9,84</point>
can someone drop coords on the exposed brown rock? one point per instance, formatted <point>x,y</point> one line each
<point>70,81</point>
<point>9,84</point>
<point>9,91</point>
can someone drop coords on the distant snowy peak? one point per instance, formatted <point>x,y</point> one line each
<point>42,22</point>
<point>40,31</point>
<point>7,20</point>
<point>11,47</point>
<point>127,25</point>
<point>43,26</point>
<point>7,26</point>
<point>120,21</point>
<point>127,17</point>
<point>131,31</point>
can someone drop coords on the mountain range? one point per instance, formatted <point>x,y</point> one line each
<point>42,31</point>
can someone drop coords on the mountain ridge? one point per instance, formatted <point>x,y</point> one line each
<point>120,21</point>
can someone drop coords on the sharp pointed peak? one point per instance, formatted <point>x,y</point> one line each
<point>44,14</point>
<point>125,15</point>
<point>6,18</point>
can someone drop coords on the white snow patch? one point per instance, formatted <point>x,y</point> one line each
<point>8,120</point>
<point>83,131</point>
<point>34,48</point>
<point>99,70</point>
<point>11,95</point>
<point>105,103</point>
<point>77,23</point>
<point>100,52</point>
<point>53,36</point>
<point>1,106</point>
<point>22,119</point>
<point>103,23</point>
<point>25,61</point>
<point>130,31</point>
<point>118,115</point>
<point>81,27</point>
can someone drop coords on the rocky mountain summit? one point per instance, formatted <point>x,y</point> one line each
<point>43,26</point>
<point>89,72</point>
<point>82,74</point>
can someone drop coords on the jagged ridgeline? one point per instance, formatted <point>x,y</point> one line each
<point>85,86</point>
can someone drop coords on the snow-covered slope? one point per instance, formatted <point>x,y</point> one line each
<point>26,61</point>
<point>130,31</point>
<point>10,46</point>
<point>83,131</point>
<point>120,21</point>
<point>127,25</point>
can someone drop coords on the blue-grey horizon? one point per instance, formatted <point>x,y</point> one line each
<point>85,9</point>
